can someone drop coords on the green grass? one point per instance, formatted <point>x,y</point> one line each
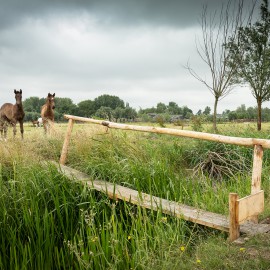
<point>49,222</point>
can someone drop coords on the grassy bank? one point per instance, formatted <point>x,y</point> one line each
<point>49,222</point>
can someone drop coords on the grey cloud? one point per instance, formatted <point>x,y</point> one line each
<point>177,13</point>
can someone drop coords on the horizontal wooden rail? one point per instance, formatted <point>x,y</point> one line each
<point>176,132</point>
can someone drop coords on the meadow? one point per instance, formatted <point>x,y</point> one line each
<point>50,222</point>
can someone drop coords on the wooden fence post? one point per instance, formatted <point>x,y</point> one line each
<point>66,142</point>
<point>234,230</point>
<point>256,173</point>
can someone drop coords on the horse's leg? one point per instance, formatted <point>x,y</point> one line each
<point>14,130</point>
<point>50,127</point>
<point>45,126</point>
<point>5,130</point>
<point>21,128</point>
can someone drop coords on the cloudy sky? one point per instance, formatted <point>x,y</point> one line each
<point>134,49</point>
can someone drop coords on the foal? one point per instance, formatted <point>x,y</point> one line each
<point>11,114</point>
<point>47,112</point>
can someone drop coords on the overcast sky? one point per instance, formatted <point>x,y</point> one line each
<point>134,49</point>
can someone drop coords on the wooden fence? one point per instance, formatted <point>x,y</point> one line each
<point>243,212</point>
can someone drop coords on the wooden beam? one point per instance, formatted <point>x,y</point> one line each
<point>250,206</point>
<point>117,192</point>
<point>66,142</point>
<point>176,132</point>
<point>178,210</point>
<point>234,231</point>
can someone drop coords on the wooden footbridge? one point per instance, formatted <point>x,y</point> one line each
<point>243,212</point>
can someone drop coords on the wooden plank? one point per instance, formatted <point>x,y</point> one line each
<point>176,132</point>
<point>216,221</point>
<point>251,205</point>
<point>234,231</point>
<point>66,142</point>
<point>114,191</point>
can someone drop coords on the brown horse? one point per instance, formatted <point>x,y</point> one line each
<point>47,112</point>
<point>11,114</point>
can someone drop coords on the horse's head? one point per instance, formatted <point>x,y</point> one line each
<point>50,100</point>
<point>18,96</point>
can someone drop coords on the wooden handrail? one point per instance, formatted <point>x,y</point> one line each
<point>176,132</point>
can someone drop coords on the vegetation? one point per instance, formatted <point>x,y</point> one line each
<point>251,52</point>
<point>218,29</point>
<point>50,222</point>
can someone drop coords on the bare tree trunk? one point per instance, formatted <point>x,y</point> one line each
<point>215,115</point>
<point>259,116</point>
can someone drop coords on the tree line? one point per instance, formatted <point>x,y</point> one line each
<point>105,107</point>
<point>113,108</point>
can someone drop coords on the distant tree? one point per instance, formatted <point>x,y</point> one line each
<point>147,110</point>
<point>266,114</point>
<point>241,112</point>
<point>187,113</point>
<point>32,104</point>
<point>129,113</point>
<point>64,106</point>
<point>251,113</point>
<point>86,108</point>
<point>161,108</point>
<point>173,108</point>
<point>199,112</point>
<point>207,110</point>
<point>232,116</point>
<point>31,116</point>
<point>108,101</point>
<point>104,113</point>
<point>252,53</point>
<point>118,113</point>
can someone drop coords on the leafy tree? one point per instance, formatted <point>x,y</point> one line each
<point>207,110</point>
<point>251,113</point>
<point>173,108</point>
<point>32,104</point>
<point>129,113</point>
<point>161,107</point>
<point>86,108</point>
<point>187,113</point>
<point>147,110</point>
<point>199,112</point>
<point>108,101</point>
<point>252,53</point>
<point>64,106</point>
<point>31,116</point>
<point>104,112</point>
<point>118,113</point>
<point>241,112</point>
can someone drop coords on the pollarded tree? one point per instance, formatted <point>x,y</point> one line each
<point>217,30</point>
<point>252,53</point>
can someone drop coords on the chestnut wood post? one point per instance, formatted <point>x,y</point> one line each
<point>256,174</point>
<point>66,142</point>
<point>234,230</point>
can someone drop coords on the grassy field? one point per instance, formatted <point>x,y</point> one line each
<point>49,222</point>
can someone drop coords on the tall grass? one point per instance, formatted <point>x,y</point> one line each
<point>49,222</point>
